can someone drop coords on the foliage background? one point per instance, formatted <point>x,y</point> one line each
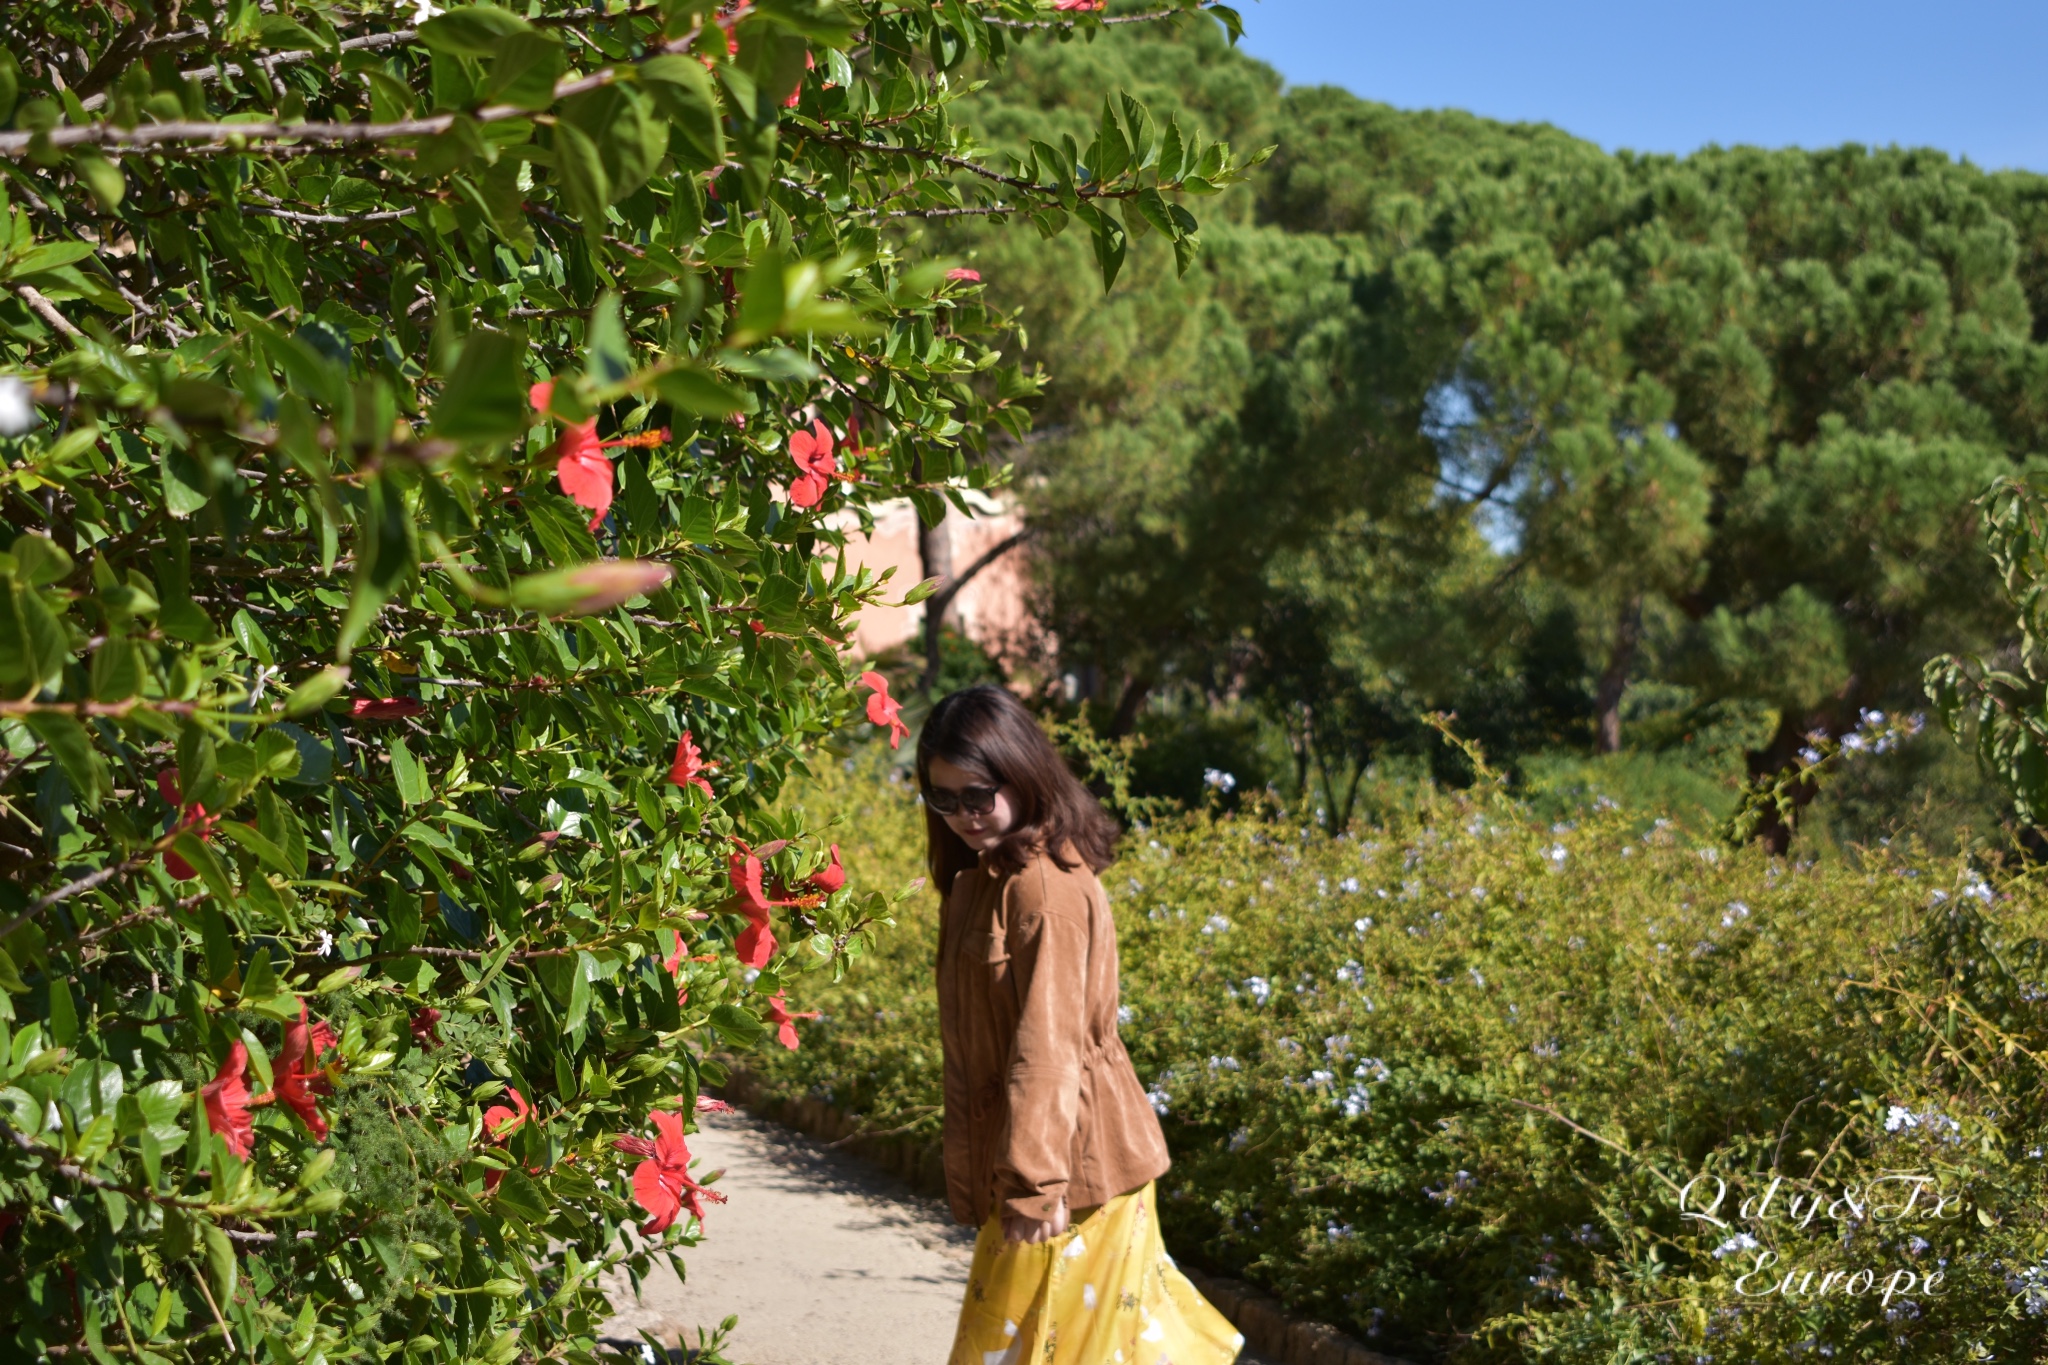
<point>1440,1080</point>
<point>1667,456</point>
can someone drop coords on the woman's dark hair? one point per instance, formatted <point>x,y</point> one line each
<point>988,732</point>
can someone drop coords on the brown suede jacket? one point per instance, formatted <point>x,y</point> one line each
<point>1041,1099</point>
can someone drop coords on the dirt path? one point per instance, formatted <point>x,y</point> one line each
<point>827,1260</point>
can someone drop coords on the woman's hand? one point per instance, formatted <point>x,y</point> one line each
<point>1018,1228</point>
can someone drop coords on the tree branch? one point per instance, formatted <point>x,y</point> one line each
<point>943,598</point>
<point>47,311</point>
<point>246,138</point>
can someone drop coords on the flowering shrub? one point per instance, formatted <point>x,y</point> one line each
<point>1445,1083</point>
<point>426,448</point>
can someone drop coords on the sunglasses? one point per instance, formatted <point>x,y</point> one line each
<point>973,800</point>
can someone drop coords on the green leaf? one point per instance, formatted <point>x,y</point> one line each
<point>184,484</point>
<point>619,121</point>
<point>48,256</point>
<point>472,30</point>
<point>316,692</point>
<point>72,747</point>
<point>408,774</point>
<point>116,670</point>
<point>38,560</point>
<point>278,32</point>
<point>33,647</point>
<point>270,854</point>
<point>221,1265</point>
<point>280,824</point>
<point>583,973</point>
<point>524,69</point>
<point>586,189</point>
<point>1112,152</point>
<point>740,1027</point>
<point>638,501</point>
<point>485,398</point>
<point>781,601</point>
<point>277,755</point>
<point>684,92</point>
<point>10,979</point>
<point>521,1198</point>
<point>63,1021</point>
<point>694,389</point>
<point>251,638</point>
<point>607,356</point>
<point>1109,243</point>
<point>763,297</point>
<point>1153,208</point>
<point>203,862</point>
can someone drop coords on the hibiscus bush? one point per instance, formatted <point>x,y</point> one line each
<point>429,441</point>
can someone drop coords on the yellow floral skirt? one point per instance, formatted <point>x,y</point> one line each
<point>1102,1293</point>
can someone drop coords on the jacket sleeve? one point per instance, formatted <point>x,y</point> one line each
<point>1048,944</point>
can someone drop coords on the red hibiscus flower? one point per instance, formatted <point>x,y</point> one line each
<point>226,1097</point>
<point>322,1041</point>
<point>500,1122</point>
<point>688,764</point>
<point>831,876</point>
<point>585,473</point>
<point>192,817</point>
<point>884,709</point>
<point>707,1105</point>
<point>662,1183</point>
<point>757,941</point>
<point>384,708</point>
<point>854,444</point>
<point>426,1033</point>
<point>963,273</point>
<point>295,1076</point>
<point>1077,6</point>
<point>674,963</point>
<point>812,451</point>
<point>784,1021</point>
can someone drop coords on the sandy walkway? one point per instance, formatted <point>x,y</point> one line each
<point>826,1259</point>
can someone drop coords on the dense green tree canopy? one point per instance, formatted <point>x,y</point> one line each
<point>1726,413</point>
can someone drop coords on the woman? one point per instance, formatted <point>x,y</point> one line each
<point>1051,1146</point>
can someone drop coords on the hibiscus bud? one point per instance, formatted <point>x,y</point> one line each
<point>589,588</point>
<point>384,708</point>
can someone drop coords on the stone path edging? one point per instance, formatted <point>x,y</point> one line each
<point>1269,1329</point>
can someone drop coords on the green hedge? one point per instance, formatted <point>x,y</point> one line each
<point>1441,1083</point>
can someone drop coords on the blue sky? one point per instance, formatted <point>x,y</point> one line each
<point>1967,76</point>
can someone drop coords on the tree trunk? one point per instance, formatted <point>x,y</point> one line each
<point>1351,787</point>
<point>1773,831</point>
<point>1136,689</point>
<point>935,558</point>
<point>1628,631</point>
